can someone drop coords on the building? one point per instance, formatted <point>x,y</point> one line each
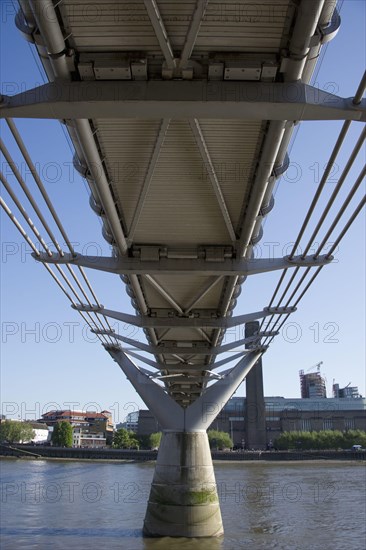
<point>313,414</point>
<point>84,437</point>
<point>312,385</point>
<point>147,423</point>
<point>41,432</point>
<point>281,415</point>
<point>131,422</point>
<point>86,422</point>
<point>348,392</point>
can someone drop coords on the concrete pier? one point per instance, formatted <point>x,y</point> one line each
<point>183,500</point>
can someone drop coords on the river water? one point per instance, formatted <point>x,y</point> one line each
<point>86,505</point>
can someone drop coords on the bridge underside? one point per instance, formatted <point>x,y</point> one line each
<point>180,114</point>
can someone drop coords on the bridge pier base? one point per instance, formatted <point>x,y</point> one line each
<point>183,500</point>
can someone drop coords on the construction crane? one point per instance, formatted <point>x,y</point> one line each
<point>317,366</point>
<point>313,386</point>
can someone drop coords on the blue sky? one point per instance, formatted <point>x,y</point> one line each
<point>49,359</point>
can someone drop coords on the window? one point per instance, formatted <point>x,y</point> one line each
<point>328,424</point>
<point>305,425</point>
<point>349,423</point>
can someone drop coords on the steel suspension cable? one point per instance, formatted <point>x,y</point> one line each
<point>321,221</point>
<point>356,101</point>
<point>341,211</point>
<point>337,188</point>
<point>314,202</point>
<point>41,240</point>
<point>24,213</point>
<point>37,179</point>
<point>34,248</point>
<point>327,209</point>
<point>29,196</point>
<point>31,244</point>
<point>335,244</point>
<point>51,208</point>
<point>318,270</point>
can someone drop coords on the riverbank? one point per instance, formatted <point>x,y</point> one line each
<point>37,451</point>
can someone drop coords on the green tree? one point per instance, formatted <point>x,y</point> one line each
<point>26,432</point>
<point>62,434</point>
<point>354,437</point>
<point>123,439</point>
<point>324,439</point>
<point>219,440</point>
<point>13,431</point>
<point>155,440</point>
<point>143,441</point>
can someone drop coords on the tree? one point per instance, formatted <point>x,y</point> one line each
<point>219,440</point>
<point>143,441</point>
<point>13,431</point>
<point>123,439</point>
<point>324,439</point>
<point>155,439</point>
<point>62,434</point>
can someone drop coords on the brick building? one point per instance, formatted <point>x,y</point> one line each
<point>89,428</point>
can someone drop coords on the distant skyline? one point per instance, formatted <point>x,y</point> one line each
<point>50,359</point>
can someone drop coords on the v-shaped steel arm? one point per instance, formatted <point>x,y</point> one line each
<point>201,413</point>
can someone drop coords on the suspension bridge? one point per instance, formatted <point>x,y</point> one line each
<point>180,89</point>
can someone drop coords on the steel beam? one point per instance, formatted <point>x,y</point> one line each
<point>149,175</point>
<point>192,33</point>
<point>187,347</point>
<point>165,409</point>
<point>202,146</point>
<point>218,364</point>
<point>202,293</point>
<point>180,99</point>
<point>227,267</point>
<point>201,413</point>
<point>144,321</point>
<point>164,293</point>
<point>179,367</point>
<point>170,300</point>
<point>149,362</point>
<point>160,31</point>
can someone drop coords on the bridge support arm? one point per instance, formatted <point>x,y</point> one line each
<point>201,413</point>
<point>144,321</point>
<point>227,267</point>
<point>204,410</point>
<point>169,348</point>
<point>168,413</point>
<point>180,99</point>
